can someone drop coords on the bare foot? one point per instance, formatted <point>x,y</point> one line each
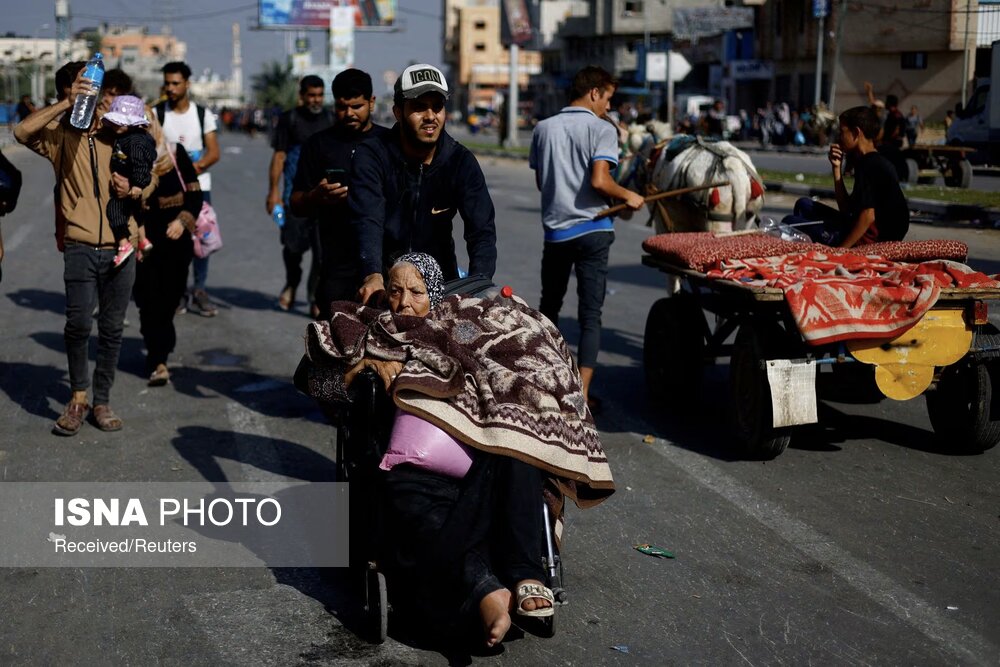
<point>530,604</point>
<point>494,609</point>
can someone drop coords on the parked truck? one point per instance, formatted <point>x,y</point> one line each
<point>977,124</point>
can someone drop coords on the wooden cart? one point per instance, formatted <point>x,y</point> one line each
<point>952,356</point>
<point>925,161</point>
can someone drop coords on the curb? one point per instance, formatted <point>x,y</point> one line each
<point>940,208</point>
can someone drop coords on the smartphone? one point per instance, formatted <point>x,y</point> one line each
<point>336,176</point>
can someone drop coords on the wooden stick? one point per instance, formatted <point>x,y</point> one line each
<point>660,195</point>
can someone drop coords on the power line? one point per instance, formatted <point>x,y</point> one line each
<point>187,17</point>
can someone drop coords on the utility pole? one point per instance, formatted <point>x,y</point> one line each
<point>965,54</point>
<point>819,60</point>
<point>62,32</point>
<point>820,9</point>
<point>836,55</point>
<point>512,94</point>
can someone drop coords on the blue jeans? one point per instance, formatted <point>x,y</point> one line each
<point>90,275</point>
<point>200,264</point>
<point>588,254</point>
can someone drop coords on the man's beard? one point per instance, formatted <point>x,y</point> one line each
<point>414,137</point>
<point>315,110</point>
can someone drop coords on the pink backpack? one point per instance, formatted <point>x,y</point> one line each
<point>207,238</point>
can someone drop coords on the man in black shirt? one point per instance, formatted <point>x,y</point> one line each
<point>876,209</point>
<point>298,234</point>
<point>322,182</point>
<point>409,184</point>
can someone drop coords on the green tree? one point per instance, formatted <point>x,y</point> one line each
<point>93,39</point>
<point>275,85</point>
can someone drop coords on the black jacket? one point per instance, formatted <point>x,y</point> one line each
<point>397,207</point>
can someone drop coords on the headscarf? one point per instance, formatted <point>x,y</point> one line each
<point>430,271</point>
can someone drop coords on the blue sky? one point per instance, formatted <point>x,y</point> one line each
<point>206,29</point>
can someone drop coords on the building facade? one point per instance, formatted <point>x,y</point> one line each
<point>479,63</point>
<point>28,65</point>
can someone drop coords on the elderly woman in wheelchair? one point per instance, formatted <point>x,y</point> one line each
<point>489,421</point>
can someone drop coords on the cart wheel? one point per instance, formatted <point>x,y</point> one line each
<point>751,395</point>
<point>959,174</point>
<point>912,171</point>
<point>672,351</point>
<point>961,408</point>
<point>377,606</point>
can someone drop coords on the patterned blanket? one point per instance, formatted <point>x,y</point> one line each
<point>836,297</point>
<point>703,251</point>
<point>496,375</point>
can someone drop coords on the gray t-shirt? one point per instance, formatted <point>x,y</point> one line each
<point>563,150</point>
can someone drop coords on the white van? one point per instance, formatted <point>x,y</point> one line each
<point>977,124</point>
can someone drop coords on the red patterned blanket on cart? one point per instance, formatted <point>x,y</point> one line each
<point>702,251</point>
<point>837,297</point>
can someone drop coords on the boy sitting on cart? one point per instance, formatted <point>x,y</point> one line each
<point>875,210</point>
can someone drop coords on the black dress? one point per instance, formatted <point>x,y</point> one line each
<point>161,277</point>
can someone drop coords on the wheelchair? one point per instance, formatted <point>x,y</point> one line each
<point>364,425</point>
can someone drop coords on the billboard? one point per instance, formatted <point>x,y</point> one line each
<point>315,14</point>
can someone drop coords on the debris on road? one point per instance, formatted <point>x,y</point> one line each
<point>653,550</point>
<point>621,648</point>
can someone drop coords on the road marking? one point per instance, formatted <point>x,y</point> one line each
<point>961,642</point>
<point>258,457</point>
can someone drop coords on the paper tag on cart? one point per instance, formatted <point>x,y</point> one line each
<point>793,391</point>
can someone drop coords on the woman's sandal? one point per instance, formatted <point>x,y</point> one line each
<point>105,418</point>
<point>159,377</point>
<point>537,592</point>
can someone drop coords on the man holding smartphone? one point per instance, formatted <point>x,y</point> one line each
<point>323,181</point>
<point>298,233</point>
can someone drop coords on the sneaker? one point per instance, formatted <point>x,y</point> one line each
<point>202,305</point>
<point>145,245</point>
<point>124,250</point>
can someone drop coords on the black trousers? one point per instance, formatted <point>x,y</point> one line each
<point>299,236</point>
<point>588,254</point>
<point>456,541</point>
<point>91,277</point>
<point>161,279</point>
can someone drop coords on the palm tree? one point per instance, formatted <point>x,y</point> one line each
<point>275,85</point>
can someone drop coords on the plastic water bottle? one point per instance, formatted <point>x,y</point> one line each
<point>86,103</point>
<point>279,215</point>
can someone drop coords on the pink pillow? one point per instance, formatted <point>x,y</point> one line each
<point>422,444</point>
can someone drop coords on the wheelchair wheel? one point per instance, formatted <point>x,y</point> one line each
<point>377,606</point>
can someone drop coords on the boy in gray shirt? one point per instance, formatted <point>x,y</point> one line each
<point>573,154</point>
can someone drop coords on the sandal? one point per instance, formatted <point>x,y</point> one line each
<point>286,299</point>
<point>159,377</point>
<point>105,418</point>
<point>71,419</point>
<point>538,592</point>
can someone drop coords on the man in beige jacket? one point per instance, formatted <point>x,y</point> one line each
<point>82,160</point>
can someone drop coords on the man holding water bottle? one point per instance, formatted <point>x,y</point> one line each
<point>82,159</point>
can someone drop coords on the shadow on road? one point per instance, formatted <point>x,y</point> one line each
<point>237,297</point>
<point>31,385</point>
<point>42,300</point>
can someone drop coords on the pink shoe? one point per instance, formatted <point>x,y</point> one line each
<point>145,245</point>
<point>124,250</point>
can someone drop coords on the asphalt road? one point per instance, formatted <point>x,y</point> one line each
<point>866,542</point>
